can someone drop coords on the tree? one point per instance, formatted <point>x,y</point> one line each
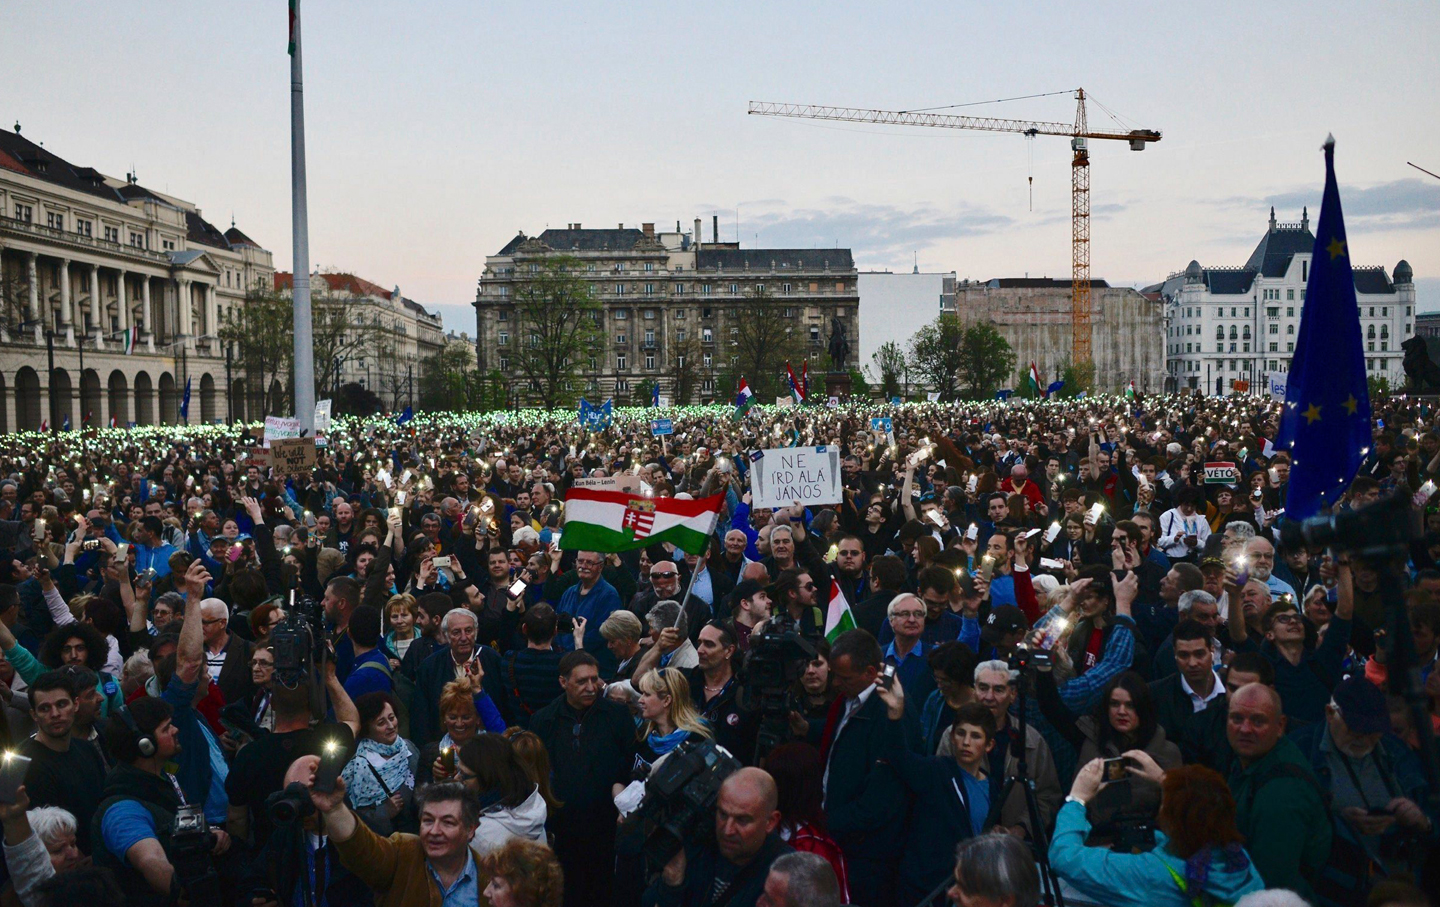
<point>1077,378</point>
<point>448,378</point>
<point>859,387</point>
<point>354,400</point>
<point>557,327</point>
<point>261,332</point>
<point>892,369</point>
<point>985,360</point>
<point>762,342</point>
<point>935,355</point>
<point>684,369</point>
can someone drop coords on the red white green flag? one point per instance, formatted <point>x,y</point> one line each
<point>293,13</point>
<point>601,520</point>
<point>838,617</point>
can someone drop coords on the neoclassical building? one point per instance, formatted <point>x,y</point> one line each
<point>89,265</point>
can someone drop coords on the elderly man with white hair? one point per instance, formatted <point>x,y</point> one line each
<point>227,656</point>
<point>1261,555</point>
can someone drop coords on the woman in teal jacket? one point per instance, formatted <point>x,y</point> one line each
<point>1198,860</point>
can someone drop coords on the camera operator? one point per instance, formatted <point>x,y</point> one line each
<point>731,871</point>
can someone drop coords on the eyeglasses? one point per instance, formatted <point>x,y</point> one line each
<point>669,575</point>
<point>917,615</point>
<point>1287,619</point>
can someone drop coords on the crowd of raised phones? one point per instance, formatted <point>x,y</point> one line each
<point>1211,722</point>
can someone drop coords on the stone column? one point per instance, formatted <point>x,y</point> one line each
<point>122,302</point>
<point>182,290</point>
<point>67,313</point>
<point>33,276</point>
<point>212,320</point>
<point>96,308</point>
<point>147,322</point>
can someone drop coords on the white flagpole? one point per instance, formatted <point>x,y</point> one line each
<point>304,371</point>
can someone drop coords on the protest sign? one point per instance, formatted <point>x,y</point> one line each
<point>259,456</point>
<point>662,427</point>
<point>1221,474</point>
<point>881,423</point>
<point>322,415</point>
<point>292,455</point>
<point>279,427</point>
<point>1277,387</point>
<point>784,476</point>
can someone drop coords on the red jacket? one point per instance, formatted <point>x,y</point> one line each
<point>1030,491</point>
<point>806,837</point>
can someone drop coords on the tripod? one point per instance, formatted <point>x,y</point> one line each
<point>1039,845</point>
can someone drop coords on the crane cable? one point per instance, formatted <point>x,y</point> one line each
<point>1023,97</point>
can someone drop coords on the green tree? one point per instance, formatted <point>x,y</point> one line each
<point>260,334</point>
<point>1078,379</point>
<point>448,378</point>
<point>892,369</point>
<point>557,329</point>
<point>859,387</point>
<point>935,356</point>
<point>763,340</point>
<point>1379,386</point>
<point>985,360</point>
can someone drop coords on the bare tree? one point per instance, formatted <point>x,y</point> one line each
<point>558,328</point>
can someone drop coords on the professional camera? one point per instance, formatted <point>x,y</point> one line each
<point>298,641</point>
<point>1025,658</point>
<point>289,806</point>
<point>191,842</point>
<point>680,797</point>
<point>777,659</point>
<point>1384,527</point>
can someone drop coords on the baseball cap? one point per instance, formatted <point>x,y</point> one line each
<point>1001,622</point>
<point>1362,706</point>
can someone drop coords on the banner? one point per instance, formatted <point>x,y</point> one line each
<point>1222,474</point>
<point>289,456</point>
<point>662,427</point>
<point>280,427</point>
<point>881,423</point>
<point>322,415</point>
<point>789,475</point>
<point>1277,387</point>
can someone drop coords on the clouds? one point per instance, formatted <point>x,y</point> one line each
<point>881,234</point>
<point>1408,204</point>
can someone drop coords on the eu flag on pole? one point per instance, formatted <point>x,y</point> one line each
<point>185,404</point>
<point>404,417</point>
<point>1326,421</point>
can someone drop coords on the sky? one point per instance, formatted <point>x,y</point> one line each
<point>437,129</point>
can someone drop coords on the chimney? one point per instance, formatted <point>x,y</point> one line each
<point>577,225</point>
<point>648,230</point>
<point>715,229</point>
<point>697,232</point>
<point>619,226</point>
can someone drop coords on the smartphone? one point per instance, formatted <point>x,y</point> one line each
<point>1030,534</point>
<point>936,517</point>
<point>1050,563</point>
<point>1052,533</point>
<point>887,677</point>
<point>13,767</point>
<point>399,499</point>
<point>517,588</point>
<point>122,551</point>
<point>442,563</point>
<point>332,761</point>
<point>972,533</point>
<point>148,575</point>
<point>971,484</point>
<point>1428,488</point>
<point>986,569</point>
<point>90,545</point>
<point>1274,476</point>
<point>1113,770</point>
<point>1097,510</point>
<point>447,759</point>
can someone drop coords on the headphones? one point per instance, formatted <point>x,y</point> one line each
<point>144,742</point>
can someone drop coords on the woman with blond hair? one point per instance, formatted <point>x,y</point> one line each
<point>667,714</point>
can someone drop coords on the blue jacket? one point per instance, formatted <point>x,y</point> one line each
<point>602,601</point>
<point>1152,879</point>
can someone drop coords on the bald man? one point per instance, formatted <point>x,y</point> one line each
<point>1278,804</point>
<point>738,862</point>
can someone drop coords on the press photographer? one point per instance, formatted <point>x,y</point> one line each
<point>731,870</point>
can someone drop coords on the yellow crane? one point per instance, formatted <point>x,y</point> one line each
<point>1080,135</point>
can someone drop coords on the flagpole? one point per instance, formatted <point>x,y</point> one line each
<point>304,370</point>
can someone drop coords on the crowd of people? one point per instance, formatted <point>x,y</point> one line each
<point>1072,645</point>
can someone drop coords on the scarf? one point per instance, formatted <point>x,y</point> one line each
<point>391,761</point>
<point>663,744</point>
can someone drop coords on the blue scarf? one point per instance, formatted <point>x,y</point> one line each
<point>664,744</point>
<point>391,761</point>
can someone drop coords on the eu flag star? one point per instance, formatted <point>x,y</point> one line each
<point>1350,404</point>
<point>1312,414</point>
<point>1336,248</point>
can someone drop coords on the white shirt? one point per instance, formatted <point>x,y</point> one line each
<point>851,707</point>
<point>1198,702</point>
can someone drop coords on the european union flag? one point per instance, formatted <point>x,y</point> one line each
<point>1326,422</point>
<point>1054,388</point>
<point>185,403</point>
<point>404,417</point>
<point>595,417</point>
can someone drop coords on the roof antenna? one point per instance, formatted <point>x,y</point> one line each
<point>232,219</point>
<point>17,127</point>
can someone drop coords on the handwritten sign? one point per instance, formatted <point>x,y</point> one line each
<point>281,427</point>
<point>291,455</point>
<point>259,456</point>
<point>322,415</point>
<point>1222,474</point>
<point>787,475</point>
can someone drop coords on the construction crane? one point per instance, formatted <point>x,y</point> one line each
<point>1080,135</point>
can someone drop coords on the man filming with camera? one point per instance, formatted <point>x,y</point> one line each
<point>730,872</point>
<point>155,841</point>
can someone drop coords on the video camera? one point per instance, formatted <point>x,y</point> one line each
<point>777,659</point>
<point>1383,528</point>
<point>191,843</point>
<point>680,797</point>
<point>298,641</point>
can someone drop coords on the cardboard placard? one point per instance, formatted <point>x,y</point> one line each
<point>291,455</point>
<point>789,475</point>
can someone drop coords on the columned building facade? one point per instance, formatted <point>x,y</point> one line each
<point>123,288</point>
<point>1229,328</point>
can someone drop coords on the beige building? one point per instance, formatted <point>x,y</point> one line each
<point>89,262</point>
<point>1127,334</point>
<point>661,289</point>
<point>375,337</point>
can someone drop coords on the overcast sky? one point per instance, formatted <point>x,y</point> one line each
<point>438,128</point>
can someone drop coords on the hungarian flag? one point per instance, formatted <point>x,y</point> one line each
<point>1130,390</point>
<point>805,379</point>
<point>131,334</point>
<point>743,398</point>
<point>114,423</point>
<point>796,390</point>
<point>294,14</point>
<point>838,618</point>
<point>1033,381</point>
<point>601,520</point>
<point>44,424</point>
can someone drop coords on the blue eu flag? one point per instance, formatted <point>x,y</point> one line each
<point>404,417</point>
<point>1326,422</point>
